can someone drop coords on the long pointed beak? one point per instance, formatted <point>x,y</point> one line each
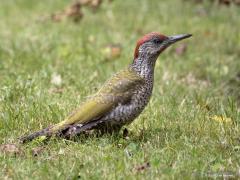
<point>172,39</point>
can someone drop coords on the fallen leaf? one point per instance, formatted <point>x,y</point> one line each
<point>111,51</point>
<point>10,149</point>
<point>37,151</point>
<point>95,4</point>
<point>74,11</point>
<point>221,119</point>
<point>224,2</point>
<point>142,167</point>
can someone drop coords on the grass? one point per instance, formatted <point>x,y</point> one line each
<point>176,134</point>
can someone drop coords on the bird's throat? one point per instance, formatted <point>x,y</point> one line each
<point>144,66</point>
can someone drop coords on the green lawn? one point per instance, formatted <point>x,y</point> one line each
<point>191,127</point>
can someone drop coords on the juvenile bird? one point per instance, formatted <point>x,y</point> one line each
<point>122,98</point>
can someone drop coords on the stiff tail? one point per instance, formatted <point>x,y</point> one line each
<point>57,129</point>
<point>62,130</point>
<point>44,132</point>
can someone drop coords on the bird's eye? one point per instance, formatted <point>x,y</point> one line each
<point>157,41</point>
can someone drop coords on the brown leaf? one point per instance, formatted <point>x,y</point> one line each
<point>37,151</point>
<point>224,2</point>
<point>95,4</point>
<point>181,49</point>
<point>142,167</point>
<point>112,51</point>
<point>74,11</point>
<point>10,149</point>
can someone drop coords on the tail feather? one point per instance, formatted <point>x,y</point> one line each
<point>44,132</point>
<point>67,132</point>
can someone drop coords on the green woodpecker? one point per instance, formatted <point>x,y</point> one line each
<point>122,98</point>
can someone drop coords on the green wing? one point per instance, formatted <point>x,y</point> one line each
<point>118,89</point>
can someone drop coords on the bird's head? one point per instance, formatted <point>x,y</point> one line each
<point>152,44</point>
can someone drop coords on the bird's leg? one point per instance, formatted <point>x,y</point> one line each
<point>125,132</point>
<point>106,128</point>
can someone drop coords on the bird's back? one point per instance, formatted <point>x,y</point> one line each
<point>126,112</point>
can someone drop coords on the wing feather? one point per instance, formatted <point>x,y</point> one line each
<point>117,90</point>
